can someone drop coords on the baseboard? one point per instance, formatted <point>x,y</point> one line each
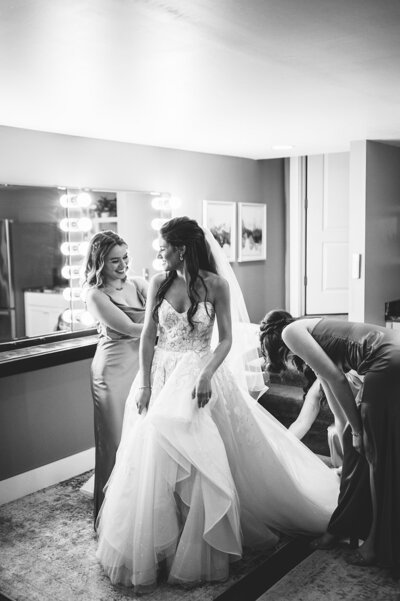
<point>47,475</point>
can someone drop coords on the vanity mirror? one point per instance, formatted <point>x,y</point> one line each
<point>43,237</point>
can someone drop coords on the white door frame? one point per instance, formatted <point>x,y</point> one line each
<point>297,235</point>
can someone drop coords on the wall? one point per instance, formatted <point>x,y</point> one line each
<point>374,228</point>
<point>382,232</point>
<point>47,415</point>
<point>53,159</point>
<point>272,192</point>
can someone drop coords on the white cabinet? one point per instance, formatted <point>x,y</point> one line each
<point>42,311</point>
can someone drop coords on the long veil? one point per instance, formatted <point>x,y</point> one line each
<point>243,358</point>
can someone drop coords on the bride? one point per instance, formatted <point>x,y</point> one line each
<point>202,468</point>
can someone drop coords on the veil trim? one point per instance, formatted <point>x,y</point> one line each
<point>244,357</point>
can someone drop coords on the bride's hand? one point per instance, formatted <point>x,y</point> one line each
<point>202,391</point>
<point>142,398</point>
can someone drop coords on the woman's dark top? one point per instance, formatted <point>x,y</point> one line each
<point>359,346</point>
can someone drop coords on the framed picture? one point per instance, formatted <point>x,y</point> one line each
<point>220,218</point>
<point>252,231</point>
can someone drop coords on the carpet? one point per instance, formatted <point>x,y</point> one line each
<point>48,550</point>
<point>325,576</point>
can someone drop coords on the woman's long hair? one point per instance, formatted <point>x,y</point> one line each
<point>182,231</point>
<point>99,247</point>
<point>275,351</point>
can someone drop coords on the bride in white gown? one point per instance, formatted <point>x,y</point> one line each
<point>202,468</point>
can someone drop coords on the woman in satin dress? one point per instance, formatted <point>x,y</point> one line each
<point>369,500</point>
<point>118,304</point>
<point>202,469</point>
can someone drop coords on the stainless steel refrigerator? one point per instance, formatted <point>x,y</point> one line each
<point>30,259</point>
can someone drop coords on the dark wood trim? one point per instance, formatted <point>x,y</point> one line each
<point>49,352</point>
<point>3,598</point>
<point>254,584</point>
<point>22,343</point>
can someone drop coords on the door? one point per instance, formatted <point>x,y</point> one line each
<point>327,225</point>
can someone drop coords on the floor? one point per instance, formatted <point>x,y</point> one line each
<point>292,572</point>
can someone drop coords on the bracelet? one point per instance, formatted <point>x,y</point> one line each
<point>356,434</point>
<point>142,387</point>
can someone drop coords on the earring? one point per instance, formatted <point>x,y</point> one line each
<point>181,256</point>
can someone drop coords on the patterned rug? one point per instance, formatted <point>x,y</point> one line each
<point>325,576</point>
<point>48,550</point>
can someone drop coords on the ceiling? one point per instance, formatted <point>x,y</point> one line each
<point>233,77</point>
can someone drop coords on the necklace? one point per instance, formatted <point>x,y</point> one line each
<point>112,288</point>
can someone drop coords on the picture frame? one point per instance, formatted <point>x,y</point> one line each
<point>252,232</point>
<point>220,218</point>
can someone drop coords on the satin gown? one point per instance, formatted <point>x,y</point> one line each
<point>373,352</point>
<point>113,369</point>
<point>191,486</point>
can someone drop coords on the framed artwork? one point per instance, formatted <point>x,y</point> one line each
<point>252,231</point>
<point>220,218</point>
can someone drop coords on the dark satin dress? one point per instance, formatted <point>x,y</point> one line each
<point>113,370</point>
<point>374,352</point>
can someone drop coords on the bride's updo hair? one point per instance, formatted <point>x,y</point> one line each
<point>275,351</point>
<point>273,348</point>
<point>183,231</point>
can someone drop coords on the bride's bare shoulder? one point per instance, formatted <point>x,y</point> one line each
<point>215,283</point>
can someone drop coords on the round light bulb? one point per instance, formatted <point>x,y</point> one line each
<point>157,265</point>
<point>72,294</point>
<point>70,249</point>
<point>84,199</point>
<point>71,272</point>
<point>85,224</point>
<point>157,223</point>
<point>67,316</point>
<point>155,245</point>
<point>161,203</point>
<point>65,224</point>
<point>175,202</point>
<point>83,248</point>
<point>87,319</point>
<point>64,200</point>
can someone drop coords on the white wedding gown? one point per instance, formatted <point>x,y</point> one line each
<point>192,485</point>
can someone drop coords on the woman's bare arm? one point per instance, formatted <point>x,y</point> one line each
<point>308,413</point>
<point>104,310</point>
<point>146,348</point>
<point>298,338</point>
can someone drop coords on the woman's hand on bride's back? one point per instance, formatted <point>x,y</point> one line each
<point>142,398</point>
<point>202,390</point>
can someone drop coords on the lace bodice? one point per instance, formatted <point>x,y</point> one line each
<point>176,334</point>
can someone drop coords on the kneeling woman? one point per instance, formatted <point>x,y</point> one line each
<point>331,348</point>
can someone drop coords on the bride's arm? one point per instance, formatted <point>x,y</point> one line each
<point>146,348</point>
<point>202,389</point>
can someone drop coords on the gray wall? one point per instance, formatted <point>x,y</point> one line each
<point>272,184</point>
<point>382,231</point>
<point>38,158</point>
<point>374,228</point>
<point>47,415</point>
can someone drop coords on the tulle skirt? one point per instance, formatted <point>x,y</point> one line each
<point>191,486</point>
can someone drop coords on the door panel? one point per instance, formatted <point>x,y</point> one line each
<point>327,264</point>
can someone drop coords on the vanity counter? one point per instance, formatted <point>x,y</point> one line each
<point>17,358</point>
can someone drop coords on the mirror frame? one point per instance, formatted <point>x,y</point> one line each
<point>77,338</point>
